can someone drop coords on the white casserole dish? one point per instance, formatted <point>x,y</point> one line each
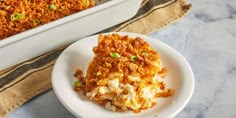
<point>37,41</point>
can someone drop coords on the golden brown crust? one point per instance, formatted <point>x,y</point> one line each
<point>126,47</point>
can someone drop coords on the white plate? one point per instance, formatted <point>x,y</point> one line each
<point>180,78</point>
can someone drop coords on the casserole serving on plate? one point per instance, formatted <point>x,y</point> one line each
<point>34,42</point>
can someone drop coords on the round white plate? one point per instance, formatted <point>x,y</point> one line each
<point>78,55</point>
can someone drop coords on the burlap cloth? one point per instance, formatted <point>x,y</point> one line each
<point>22,82</point>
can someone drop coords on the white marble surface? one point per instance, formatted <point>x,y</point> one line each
<point>207,38</point>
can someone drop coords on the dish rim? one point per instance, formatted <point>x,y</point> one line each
<point>48,26</point>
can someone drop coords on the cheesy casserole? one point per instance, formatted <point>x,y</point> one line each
<point>17,16</point>
<point>125,74</point>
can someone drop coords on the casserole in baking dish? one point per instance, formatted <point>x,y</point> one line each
<point>20,15</point>
<point>34,42</point>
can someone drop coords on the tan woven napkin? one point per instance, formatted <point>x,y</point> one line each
<point>22,82</point>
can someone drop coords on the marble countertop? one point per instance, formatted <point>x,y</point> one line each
<point>207,39</point>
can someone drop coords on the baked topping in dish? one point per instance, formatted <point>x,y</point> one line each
<point>125,74</point>
<point>17,16</point>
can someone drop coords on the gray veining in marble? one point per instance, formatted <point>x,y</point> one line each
<point>207,39</point>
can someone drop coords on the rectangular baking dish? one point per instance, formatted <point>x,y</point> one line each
<point>37,41</point>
